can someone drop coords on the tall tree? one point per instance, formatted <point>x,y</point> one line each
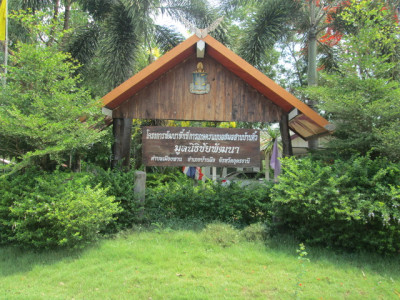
<point>110,42</point>
<point>44,115</point>
<point>273,20</point>
<point>362,96</point>
<point>118,30</point>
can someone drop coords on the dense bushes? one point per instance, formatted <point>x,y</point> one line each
<point>353,204</point>
<point>182,198</point>
<point>350,204</point>
<point>119,185</point>
<point>51,210</point>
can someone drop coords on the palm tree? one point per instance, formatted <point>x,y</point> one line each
<point>110,43</point>
<point>274,20</point>
<point>119,30</point>
<point>267,140</point>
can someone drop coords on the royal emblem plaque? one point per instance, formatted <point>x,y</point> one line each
<point>199,85</point>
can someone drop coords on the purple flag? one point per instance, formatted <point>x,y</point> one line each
<point>275,163</point>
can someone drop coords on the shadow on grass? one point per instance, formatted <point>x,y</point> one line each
<point>364,261</point>
<point>14,260</point>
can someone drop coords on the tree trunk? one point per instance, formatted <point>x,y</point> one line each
<point>285,135</point>
<point>67,14</point>
<point>121,149</point>
<point>55,17</point>
<point>312,76</point>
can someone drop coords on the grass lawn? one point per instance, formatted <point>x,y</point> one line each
<point>183,264</point>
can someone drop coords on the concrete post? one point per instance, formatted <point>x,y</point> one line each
<point>140,191</point>
<point>214,173</point>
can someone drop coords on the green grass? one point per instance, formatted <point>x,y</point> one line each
<point>183,264</point>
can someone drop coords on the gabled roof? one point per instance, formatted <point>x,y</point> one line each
<point>230,61</point>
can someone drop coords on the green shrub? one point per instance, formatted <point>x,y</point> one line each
<point>208,201</point>
<point>119,184</point>
<point>12,189</point>
<point>254,232</point>
<point>224,235</point>
<point>54,210</point>
<point>350,204</point>
<point>158,178</point>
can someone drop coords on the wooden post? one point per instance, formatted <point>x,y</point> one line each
<point>285,135</point>
<point>122,131</point>
<point>140,191</point>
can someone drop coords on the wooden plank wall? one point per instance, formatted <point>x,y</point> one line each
<point>169,97</point>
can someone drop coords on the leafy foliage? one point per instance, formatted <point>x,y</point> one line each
<point>268,26</point>
<point>44,114</point>
<point>43,210</point>
<point>118,32</point>
<point>120,185</point>
<point>364,111</point>
<point>208,201</point>
<point>361,99</point>
<point>331,204</point>
<point>122,39</point>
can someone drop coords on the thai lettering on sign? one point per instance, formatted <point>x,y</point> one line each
<point>183,146</point>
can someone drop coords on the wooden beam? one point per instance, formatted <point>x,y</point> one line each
<point>285,135</point>
<point>121,148</point>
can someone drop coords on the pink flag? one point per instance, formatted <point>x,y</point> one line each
<point>275,163</point>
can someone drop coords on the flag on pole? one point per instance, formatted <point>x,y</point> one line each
<point>3,20</point>
<point>275,163</point>
<point>193,172</point>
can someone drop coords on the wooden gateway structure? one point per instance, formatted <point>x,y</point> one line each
<point>202,80</point>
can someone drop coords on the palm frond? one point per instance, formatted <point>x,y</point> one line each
<point>34,5</point>
<point>119,46</point>
<point>269,24</point>
<point>192,10</point>
<point>267,139</point>
<point>98,9</point>
<point>197,12</point>
<point>139,12</point>
<point>229,6</point>
<point>83,44</point>
<point>167,38</point>
<point>329,58</point>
